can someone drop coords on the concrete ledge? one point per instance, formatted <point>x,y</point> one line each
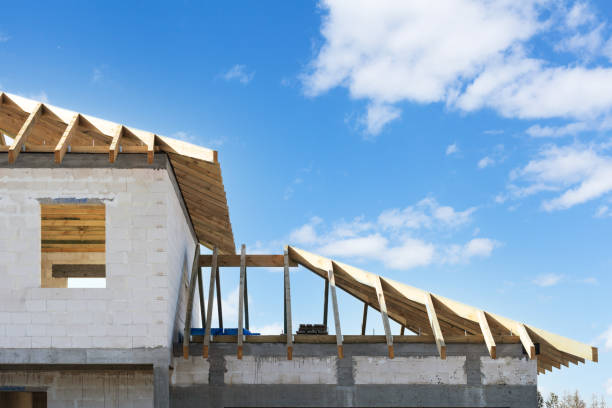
<point>149,356</point>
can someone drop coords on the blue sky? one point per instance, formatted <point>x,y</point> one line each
<point>460,148</point>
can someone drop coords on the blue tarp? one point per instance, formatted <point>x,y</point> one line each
<point>218,332</point>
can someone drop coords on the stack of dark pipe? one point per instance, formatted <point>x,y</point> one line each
<point>312,329</point>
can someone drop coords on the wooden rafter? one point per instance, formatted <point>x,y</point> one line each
<point>62,145</point>
<point>24,132</point>
<point>435,326</point>
<point>486,332</point>
<point>382,306</point>
<point>332,286</point>
<point>113,151</point>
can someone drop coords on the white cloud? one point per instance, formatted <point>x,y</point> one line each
<point>377,116</point>
<point>274,328</point>
<point>485,162</point>
<point>606,339</point>
<point>452,149</point>
<point>546,280</point>
<point>239,72</point>
<point>468,54</point>
<point>393,238</point>
<point>579,14</point>
<point>40,96</point>
<point>557,131</point>
<point>4,38</point>
<point>581,173</point>
<point>97,75</point>
<point>609,386</point>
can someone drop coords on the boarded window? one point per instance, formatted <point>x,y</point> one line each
<point>73,243</point>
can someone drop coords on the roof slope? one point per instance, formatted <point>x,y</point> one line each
<point>38,127</point>
<point>413,309</point>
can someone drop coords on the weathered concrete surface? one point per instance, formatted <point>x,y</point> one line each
<point>509,371</point>
<point>365,377</point>
<point>279,370</point>
<point>409,370</point>
<point>91,388</point>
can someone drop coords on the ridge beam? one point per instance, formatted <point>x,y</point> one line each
<point>24,132</point>
<point>62,145</point>
<point>113,151</point>
<point>435,326</point>
<point>332,284</point>
<point>382,305</point>
<point>211,296</point>
<point>486,332</point>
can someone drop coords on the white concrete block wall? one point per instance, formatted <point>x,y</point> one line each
<point>65,389</point>
<point>147,242</point>
<point>279,370</point>
<point>410,370</point>
<point>509,371</point>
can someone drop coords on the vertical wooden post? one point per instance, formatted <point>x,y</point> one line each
<point>241,300</point>
<point>194,275</point>
<point>219,309</point>
<point>365,317</point>
<point>325,301</point>
<point>289,326</point>
<point>332,284</point>
<point>211,296</point>
<point>382,305</point>
<point>201,292</point>
<point>246,300</point>
<point>402,330</point>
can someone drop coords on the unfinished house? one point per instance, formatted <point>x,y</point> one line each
<point>106,300</point>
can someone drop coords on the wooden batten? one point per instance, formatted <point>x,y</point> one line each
<point>211,296</point>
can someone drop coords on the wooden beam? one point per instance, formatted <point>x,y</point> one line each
<point>62,146</point>
<point>365,318</point>
<point>402,330</point>
<point>435,326</point>
<point>241,300</point>
<point>113,151</point>
<point>526,340</point>
<point>201,293</point>
<point>246,298</point>
<point>486,332</point>
<point>211,296</point>
<point>325,302</point>
<point>265,261</point>
<point>78,271</point>
<point>332,285</point>
<point>219,299</point>
<point>24,132</point>
<point>188,313</point>
<point>150,142</point>
<point>382,306</point>
<point>289,325</point>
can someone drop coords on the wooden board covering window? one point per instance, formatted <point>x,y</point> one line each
<point>73,227</point>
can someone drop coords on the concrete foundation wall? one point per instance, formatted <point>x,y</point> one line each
<point>316,377</point>
<point>85,389</point>
<point>148,244</point>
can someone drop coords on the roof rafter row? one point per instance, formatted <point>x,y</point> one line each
<point>33,126</point>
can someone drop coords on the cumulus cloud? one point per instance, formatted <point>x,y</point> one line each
<point>579,173</point>
<point>546,280</point>
<point>239,73</point>
<point>606,338</point>
<point>468,54</point>
<point>452,149</point>
<point>395,237</point>
<point>274,328</point>
<point>485,162</point>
